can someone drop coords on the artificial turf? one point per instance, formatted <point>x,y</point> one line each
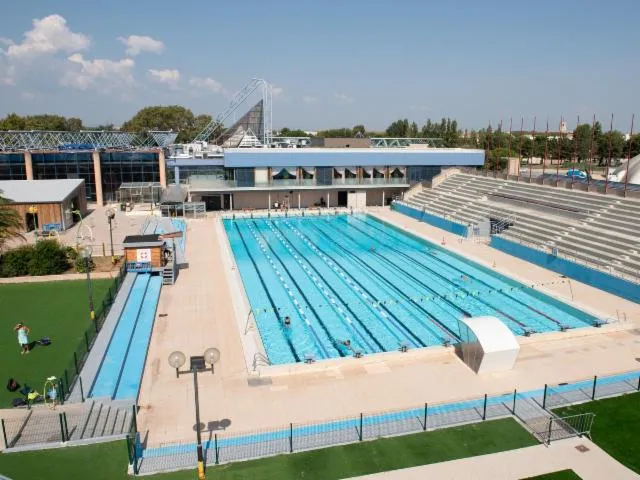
<point>615,427</point>
<point>559,475</point>
<point>108,461</point>
<point>58,310</point>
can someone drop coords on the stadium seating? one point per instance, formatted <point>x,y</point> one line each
<point>589,227</point>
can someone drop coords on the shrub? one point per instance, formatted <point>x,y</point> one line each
<point>72,254</point>
<point>49,258</point>
<point>78,264</point>
<point>15,263</point>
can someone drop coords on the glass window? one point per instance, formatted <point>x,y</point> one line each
<point>12,166</point>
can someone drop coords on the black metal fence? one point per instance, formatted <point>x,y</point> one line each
<point>222,447</point>
<point>79,356</point>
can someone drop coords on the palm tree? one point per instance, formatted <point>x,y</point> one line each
<point>10,222</point>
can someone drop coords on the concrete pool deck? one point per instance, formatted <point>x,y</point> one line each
<point>200,313</point>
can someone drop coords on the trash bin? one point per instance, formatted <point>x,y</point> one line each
<point>123,207</point>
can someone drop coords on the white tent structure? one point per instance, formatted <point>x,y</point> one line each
<point>619,174</point>
<point>487,344</point>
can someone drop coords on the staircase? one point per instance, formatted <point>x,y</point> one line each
<point>169,273</point>
<point>82,423</point>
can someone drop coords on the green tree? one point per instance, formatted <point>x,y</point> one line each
<point>633,144</point>
<point>359,129</point>
<point>398,129</point>
<point>171,117</point>
<point>10,223</point>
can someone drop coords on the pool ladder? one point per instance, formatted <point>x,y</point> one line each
<point>260,359</point>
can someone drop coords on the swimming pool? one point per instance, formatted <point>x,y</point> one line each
<point>356,278</point>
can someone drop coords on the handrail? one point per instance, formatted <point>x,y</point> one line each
<point>260,358</point>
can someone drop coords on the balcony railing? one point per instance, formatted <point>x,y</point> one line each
<point>211,182</point>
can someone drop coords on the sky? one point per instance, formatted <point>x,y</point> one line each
<point>331,63</point>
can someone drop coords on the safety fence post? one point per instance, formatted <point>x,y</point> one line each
<point>66,426</point>
<point>215,444</point>
<point>424,423</point>
<point>62,435</point>
<point>134,420</point>
<point>360,432</point>
<point>638,388</point>
<point>81,389</point>
<point>4,435</point>
<point>544,398</point>
<point>484,410</point>
<point>515,393</point>
<point>86,340</point>
<point>593,392</point>
<point>290,437</point>
<point>550,429</point>
<point>75,362</point>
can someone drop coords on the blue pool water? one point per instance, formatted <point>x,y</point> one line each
<point>122,366</point>
<point>356,278</point>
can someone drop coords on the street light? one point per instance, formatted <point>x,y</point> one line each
<point>86,255</point>
<point>111,214</point>
<point>197,364</point>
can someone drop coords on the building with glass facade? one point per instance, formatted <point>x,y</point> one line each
<point>247,177</point>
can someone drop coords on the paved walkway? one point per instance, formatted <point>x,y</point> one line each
<point>593,464</point>
<point>199,314</point>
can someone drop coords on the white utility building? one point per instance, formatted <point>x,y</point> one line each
<point>487,344</point>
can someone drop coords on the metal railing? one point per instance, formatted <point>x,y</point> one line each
<point>79,356</point>
<point>222,447</point>
<point>597,265</point>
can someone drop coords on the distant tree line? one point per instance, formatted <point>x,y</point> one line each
<point>587,142</point>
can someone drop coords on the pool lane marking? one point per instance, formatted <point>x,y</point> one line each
<point>431,327</point>
<point>264,286</point>
<point>435,321</point>
<point>332,298</point>
<point>369,298</point>
<point>477,279</point>
<point>522,287</point>
<point>293,298</point>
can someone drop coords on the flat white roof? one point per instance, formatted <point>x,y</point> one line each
<point>39,191</point>
<point>492,333</point>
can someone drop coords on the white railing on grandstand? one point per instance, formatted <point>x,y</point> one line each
<point>608,269</point>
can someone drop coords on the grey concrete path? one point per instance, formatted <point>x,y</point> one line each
<point>590,464</point>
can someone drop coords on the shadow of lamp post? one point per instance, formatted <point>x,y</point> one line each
<point>196,364</point>
<point>86,255</point>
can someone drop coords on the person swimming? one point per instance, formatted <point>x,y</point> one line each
<point>287,321</point>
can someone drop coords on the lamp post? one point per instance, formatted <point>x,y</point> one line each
<point>196,364</point>
<point>86,255</point>
<point>111,213</point>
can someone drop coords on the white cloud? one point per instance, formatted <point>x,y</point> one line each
<point>100,74</point>
<point>49,35</point>
<point>207,83</point>
<point>6,41</point>
<point>420,108</point>
<point>276,91</point>
<point>167,77</point>
<point>7,73</point>
<point>343,98</point>
<point>28,95</point>
<point>137,44</point>
<point>309,99</point>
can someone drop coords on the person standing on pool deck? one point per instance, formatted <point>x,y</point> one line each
<point>23,338</point>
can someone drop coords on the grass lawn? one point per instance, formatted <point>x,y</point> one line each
<point>560,475</point>
<point>58,310</point>
<point>108,461</point>
<point>616,426</point>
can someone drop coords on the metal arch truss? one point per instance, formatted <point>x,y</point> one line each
<point>13,140</point>
<point>389,142</point>
<point>237,100</point>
